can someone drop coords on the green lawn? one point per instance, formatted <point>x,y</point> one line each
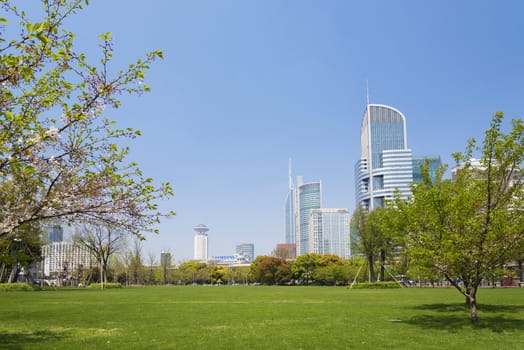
<point>239,317</point>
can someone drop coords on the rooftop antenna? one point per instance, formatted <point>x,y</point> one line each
<point>290,176</point>
<point>370,154</point>
<point>367,93</point>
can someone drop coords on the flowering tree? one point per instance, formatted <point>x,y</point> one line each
<point>59,157</point>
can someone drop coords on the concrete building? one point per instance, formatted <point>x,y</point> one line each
<point>65,259</point>
<point>200,243</point>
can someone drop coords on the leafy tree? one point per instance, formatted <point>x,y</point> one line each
<point>281,253</point>
<point>59,157</point>
<point>137,273</point>
<point>191,272</point>
<point>304,266</point>
<point>469,226</point>
<point>270,270</point>
<point>19,249</point>
<point>367,229</point>
<point>102,242</point>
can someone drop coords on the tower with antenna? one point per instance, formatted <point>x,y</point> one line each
<point>290,204</point>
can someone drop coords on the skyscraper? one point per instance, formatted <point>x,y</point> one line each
<point>290,210</point>
<point>385,163</point>
<point>201,242</point>
<point>329,232</point>
<point>309,197</point>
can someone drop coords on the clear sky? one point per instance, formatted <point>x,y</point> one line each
<point>246,85</point>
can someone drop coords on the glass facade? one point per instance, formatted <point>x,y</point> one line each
<point>434,164</point>
<point>247,251</point>
<point>290,217</point>
<point>386,163</point>
<point>309,197</point>
<point>329,232</point>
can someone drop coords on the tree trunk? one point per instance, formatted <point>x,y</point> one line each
<point>382,265</point>
<point>471,301</point>
<point>521,273</point>
<point>371,270</point>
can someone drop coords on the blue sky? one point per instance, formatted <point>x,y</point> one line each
<point>246,85</point>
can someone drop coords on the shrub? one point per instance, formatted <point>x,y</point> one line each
<point>376,285</point>
<point>16,287</point>
<point>106,286</point>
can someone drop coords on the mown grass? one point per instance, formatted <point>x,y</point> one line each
<point>239,317</point>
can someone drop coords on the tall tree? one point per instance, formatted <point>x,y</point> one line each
<point>59,157</point>
<point>469,226</point>
<point>369,239</point>
<point>102,242</point>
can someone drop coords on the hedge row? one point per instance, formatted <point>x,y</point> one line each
<point>106,285</point>
<point>376,285</point>
<point>15,287</point>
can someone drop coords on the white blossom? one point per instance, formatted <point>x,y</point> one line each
<point>53,133</point>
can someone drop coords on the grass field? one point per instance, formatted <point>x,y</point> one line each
<point>239,317</point>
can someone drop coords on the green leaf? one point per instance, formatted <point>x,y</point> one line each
<point>43,38</point>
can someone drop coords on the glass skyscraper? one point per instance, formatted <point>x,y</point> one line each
<point>309,197</point>
<point>291,231</point>
<point>329,232</point>
<point>385,163</point>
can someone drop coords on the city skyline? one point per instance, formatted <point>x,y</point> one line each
<point>245,86</point>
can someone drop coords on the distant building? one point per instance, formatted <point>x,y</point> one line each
<point>52,233</point>
<point>165,259</point>
<point>200,241</point>
<point>385,163</point>
<point>246,251</point>
<point>65,259</point>
<point>290,248</point>
<point>434,165</point>
<point>329,232</point>
<point>291,214</point>
<point>309,196</point>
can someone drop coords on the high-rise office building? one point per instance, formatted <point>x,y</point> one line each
<point>385,163</point>
<point>434,163</point>
<point>200,241</point>
<point>290,210</point>
<point>246,251</point>
<point>309,196</point>
<point>329,232</point>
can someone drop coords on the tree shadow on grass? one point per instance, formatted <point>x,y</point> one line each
<point>18,340</point>
<point>496,318</point>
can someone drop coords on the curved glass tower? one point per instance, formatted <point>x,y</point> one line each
<point>385,163</point>
<point>309,197</point>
